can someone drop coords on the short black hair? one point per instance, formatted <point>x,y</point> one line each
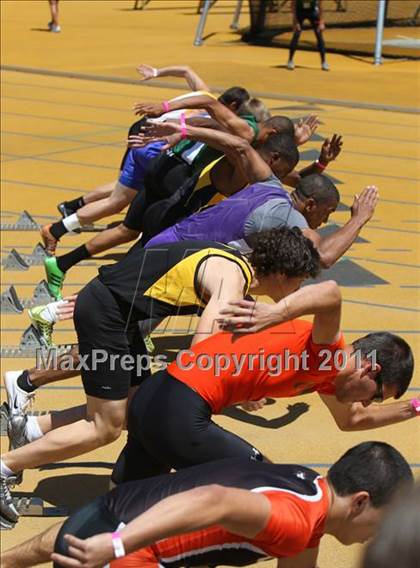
<point>284,250</point>
<point>236,95</point>
<point>284,145</point>
<point>393,354</point>
<point>319,187</point>
<point>280,124</point>
<point>375,467</point>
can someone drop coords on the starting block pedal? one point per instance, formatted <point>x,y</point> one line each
<point>14,261</point>
<point>31,337</point>
<point>39,253</point>
<point>10,303</point>
<point>25,222</point>
<point>29,506</point>
<point>42,294</point>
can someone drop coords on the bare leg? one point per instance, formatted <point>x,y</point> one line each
<point>36,550</point>
<point>103,425</point>
<point>54,11</point>
<point>111,238</point>
<point>100,192</point>
<point>120,197</point>
<point>61,418</point>
<point>56,370</point>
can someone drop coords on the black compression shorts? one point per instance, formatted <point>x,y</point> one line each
<point>165,175</point>
<point>104,338</point>
<point>170,426</point>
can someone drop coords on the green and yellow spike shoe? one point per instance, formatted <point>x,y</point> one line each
<point>42,324</point>
<point>55,277</point>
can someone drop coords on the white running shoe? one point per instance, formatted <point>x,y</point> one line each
<point>9,515</point>
<point>325,66</point>
<point>290,65</point>
<point>54,28</point>
<point>17,398</point>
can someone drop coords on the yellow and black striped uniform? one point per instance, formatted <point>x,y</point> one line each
<point>162,280</point>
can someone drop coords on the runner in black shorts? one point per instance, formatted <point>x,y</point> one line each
<point>156,282</point>
<point>307,10</point>
<point>232,512</point>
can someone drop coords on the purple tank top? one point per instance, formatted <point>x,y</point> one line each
<point>224,222</point>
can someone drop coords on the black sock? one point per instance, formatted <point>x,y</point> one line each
<point>75,204</point>
<point>24,382</point>
<point>58,230</point>
<point>68,260</point>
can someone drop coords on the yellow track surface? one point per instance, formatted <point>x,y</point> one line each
<point>64,136</point>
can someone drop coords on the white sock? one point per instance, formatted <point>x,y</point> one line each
<point>49,312</point>
<point>32,430</point>
<point>72,222</point>
<point>4,470</point>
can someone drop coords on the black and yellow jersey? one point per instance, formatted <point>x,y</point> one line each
<point>204,192</point>
<point>162,280</point>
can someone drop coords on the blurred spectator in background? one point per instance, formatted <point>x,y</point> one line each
<point>53,25</point>
<point>307,10</point>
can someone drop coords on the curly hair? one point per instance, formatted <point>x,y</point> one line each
<point>284,250</point>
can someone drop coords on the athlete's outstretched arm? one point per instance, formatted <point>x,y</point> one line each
<point>228,119</point>
<point>194,81</point>
<point>36,550</point>
<point>330,150</point>
<point>238,511</point>
<point>354,416</point>
<point>306,559</point>
<point>322,300</point>
<point>332,247</point>
<point>239,152</point>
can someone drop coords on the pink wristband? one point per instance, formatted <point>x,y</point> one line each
<point>165,105</point>
<point>415,403</point>
<point>117,545</point>
<point>183,125</point>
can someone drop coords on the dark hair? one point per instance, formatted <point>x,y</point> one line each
<point>375,467</point>
<point>236,95</point>
<point>284,145</point>
<point>393,354</point>
<point>397,543</point>
<point>286,251</point>
<point>319,187</point>
<point>281,124</point>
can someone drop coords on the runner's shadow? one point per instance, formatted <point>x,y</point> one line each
<point>71,491</point>
<point>293,413</point>
<point>40,30</point>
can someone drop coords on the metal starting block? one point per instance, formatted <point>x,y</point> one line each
<point>11,304</point>
<point>17,261</point>
<point>35,507</point>
<point>41,295</point>
<point>24,223</point>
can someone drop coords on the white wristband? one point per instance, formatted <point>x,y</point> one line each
<point>155,72</point>
<point>117,545</point>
